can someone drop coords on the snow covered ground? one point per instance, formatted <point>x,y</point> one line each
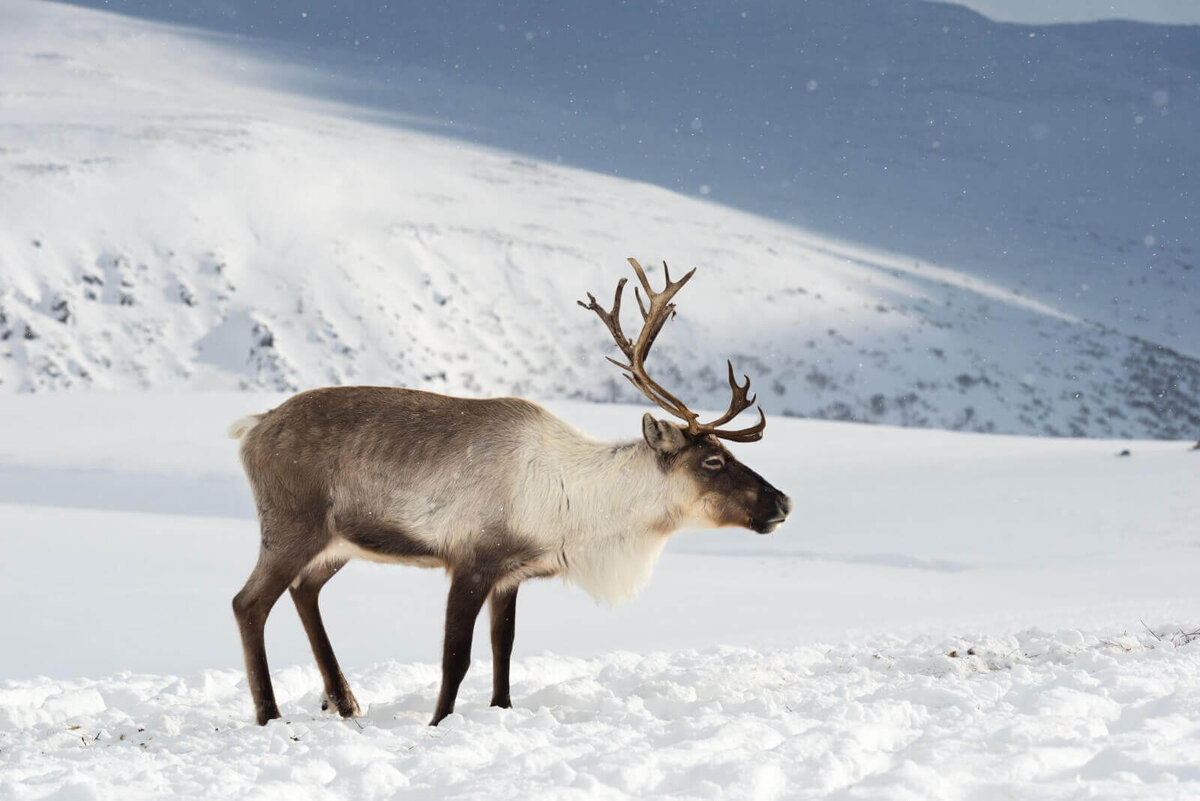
<point>945,616</point>
<point>1031,716</point>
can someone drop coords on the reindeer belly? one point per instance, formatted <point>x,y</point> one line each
<point>380,540</point>
<point>341,550</point>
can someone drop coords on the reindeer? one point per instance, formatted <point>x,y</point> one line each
<point>495,491</point>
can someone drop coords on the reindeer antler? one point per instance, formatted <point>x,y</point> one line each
<point>662,309</point>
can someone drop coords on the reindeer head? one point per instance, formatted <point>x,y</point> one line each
<point>716,488</point>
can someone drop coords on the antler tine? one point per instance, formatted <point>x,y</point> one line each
<point>669,290</point>
<point>752,434</point>
<point>650,292</point>
<point>656,310</point>
<point>634,370</point>
<point>661,308</point>
<point>742,400</point>
<point>641,274</point>
<point>612,320</point>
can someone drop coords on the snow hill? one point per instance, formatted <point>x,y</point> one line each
<point>945,616</point>
<point>900,212</point>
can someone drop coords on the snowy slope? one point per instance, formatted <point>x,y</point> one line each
<point>1044,157</point>
<point>945,616</point>
<point>193,211</point>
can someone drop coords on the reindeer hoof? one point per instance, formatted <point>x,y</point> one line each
<point>346,706</point>
<point>351,709</point>
<point>264,716</point>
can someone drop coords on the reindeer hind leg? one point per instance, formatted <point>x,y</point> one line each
<point>286,550</point>
<point>305,591</point>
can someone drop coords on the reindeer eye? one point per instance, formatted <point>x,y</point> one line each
<point>713,463</point>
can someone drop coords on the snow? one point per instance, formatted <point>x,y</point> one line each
<point>230,213</point>
<point>812,663</point>
<point>944,223</point>
<point>1034,715</point>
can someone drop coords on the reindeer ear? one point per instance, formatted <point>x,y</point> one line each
<point>663,437</point>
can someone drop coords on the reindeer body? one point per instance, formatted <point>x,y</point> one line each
<point>410,477</point>
<point>495,491</point>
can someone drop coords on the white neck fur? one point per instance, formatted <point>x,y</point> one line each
<point>612,506</point>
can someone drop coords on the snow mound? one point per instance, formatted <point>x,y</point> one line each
<point>1029,715</point>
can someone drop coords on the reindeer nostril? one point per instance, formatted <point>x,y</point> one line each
<point>784,504</point>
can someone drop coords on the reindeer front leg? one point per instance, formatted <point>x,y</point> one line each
<point>503,607</point>
<point>468,589</point>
